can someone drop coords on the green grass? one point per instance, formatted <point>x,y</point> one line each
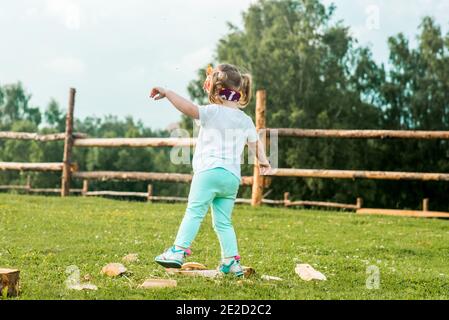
<point>42,236</point>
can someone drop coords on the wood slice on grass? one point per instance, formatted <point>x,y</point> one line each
<point>195,273</point>
<point>158,284</point>
<point>308,273</point>
<point>248,271</point>
<point>9,282</point>
<point>270,278</point>
<point>114,269</point>
<point>188,266</point>
<point>193,266</point>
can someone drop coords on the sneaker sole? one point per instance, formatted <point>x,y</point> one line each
<point>236,274</point>
<point>169,263</point>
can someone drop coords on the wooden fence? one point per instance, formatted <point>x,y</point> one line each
<point>258,182</point>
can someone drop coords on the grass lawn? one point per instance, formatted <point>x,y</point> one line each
<point>42,236</point>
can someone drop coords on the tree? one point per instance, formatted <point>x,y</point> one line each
<point>54,116</point>
<point>311,71</point>
<point>14,106</point>
<point>415,96</point>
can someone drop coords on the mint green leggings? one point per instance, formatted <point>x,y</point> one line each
<point>216,188</point>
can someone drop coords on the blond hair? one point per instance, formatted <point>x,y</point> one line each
<point>229,76</point>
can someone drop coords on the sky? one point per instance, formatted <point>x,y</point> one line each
<point>113,52</point>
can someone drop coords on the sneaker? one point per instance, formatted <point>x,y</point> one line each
<point>233,267</point>
<point>172,258</point>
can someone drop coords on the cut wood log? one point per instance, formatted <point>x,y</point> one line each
<point>307,273</point>
<point>9,282</point>
<point>270,278</point>
<point>361,134</point>
<point>193,266</point>
<point>195,273</point>
<point>247,272</point>
<point>353,174</point>
<point>38,137</point>
<point>114,269</point>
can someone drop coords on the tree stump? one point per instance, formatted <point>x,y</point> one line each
<point>9,282</point>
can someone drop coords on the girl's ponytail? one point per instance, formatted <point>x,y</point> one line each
<point>227,76</point>
<point>246,89</point>
<point>218,79</point>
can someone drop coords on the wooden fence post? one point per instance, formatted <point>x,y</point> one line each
<point>425,205</point>
<point>85,187</point>
<point>150,193</point>
<point>28,185</point>
<point>359,203</point>
<point>258,180</point>
<point>68,144</point>
<point>286,199</point>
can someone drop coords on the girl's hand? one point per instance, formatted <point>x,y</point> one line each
<point>264,168</point>
<point>158,93</point>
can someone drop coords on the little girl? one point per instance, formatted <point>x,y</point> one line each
<point>224,132</point>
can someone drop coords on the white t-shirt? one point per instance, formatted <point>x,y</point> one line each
<point>224,132</point>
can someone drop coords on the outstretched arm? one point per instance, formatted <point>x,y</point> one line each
<point>258,149</point>
<point>180,103</point>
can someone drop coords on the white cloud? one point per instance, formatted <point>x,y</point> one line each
<point>67,11</point>
<point>66,65</point>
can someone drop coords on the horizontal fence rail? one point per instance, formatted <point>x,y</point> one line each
<point>142,176</point>
<point>135,142</point>
<point>404,213</point>
<point>116,194</point>
<point>321,204</point>
<point>14,187</point>
<point>360,134</point>
<point>136,176</point>
<point>50,190</point>
<point>21,166</point>
<point>258,182</point>
<point>38,137</point>
<point>353,174</point>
